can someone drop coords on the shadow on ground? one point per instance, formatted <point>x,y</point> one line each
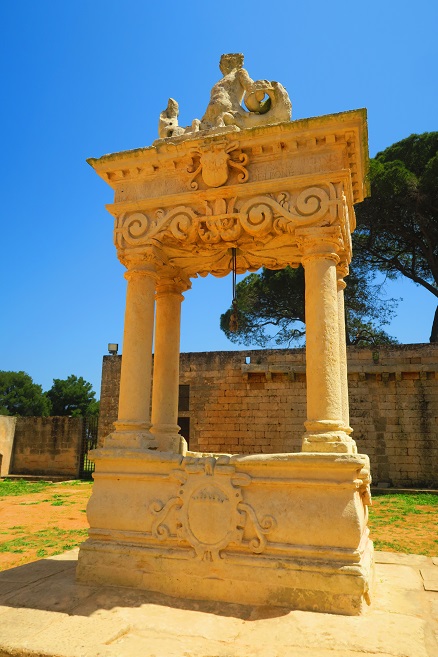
<point>50,585</point>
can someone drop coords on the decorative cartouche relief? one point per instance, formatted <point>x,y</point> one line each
<point>227,220</point>
<point>210,490</point>
<point>214,161</point>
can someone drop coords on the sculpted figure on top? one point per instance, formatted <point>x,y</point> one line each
<point>267,103</point>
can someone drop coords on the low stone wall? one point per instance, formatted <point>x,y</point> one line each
<point>259,406</point>
<point>47,446</point>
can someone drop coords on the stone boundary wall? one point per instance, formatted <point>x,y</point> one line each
<point>260,406</point>
<point>47,446</point>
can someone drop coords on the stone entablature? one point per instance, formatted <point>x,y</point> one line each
<point>279,179</point>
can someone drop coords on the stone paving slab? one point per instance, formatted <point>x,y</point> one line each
<point>402,559</point>
<point>45,613</point>
<point>430,577</point>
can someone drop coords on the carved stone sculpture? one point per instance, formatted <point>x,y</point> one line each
<point>267,103</point>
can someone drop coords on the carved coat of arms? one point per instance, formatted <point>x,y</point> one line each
<point>214,162</point>
<point>211,514</point>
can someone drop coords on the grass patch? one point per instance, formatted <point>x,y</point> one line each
<point>46,542</point>
<point>406,523</point>
<point>405,500</point>
<point>388,546</point>
<point>57,525</point>
<point>58,500</point>
<point>22,487</point>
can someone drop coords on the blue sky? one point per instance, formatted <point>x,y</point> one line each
<point>81,78</point>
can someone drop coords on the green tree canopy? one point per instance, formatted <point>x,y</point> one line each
<point>397,227</point>
<point>397,234</point>
<point>19,395</point>
<point>270,308</point>
<point>72,396</point>
<point>93,408</point>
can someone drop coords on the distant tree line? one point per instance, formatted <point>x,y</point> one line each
<point>20,396</point>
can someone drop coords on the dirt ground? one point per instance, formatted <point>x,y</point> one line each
<point>405,523</point>
<point>35,525</point>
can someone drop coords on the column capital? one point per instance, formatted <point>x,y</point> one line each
<point>172,281</point>
<point>319,243</point>
<point>138,272</point>
<point>142,263</point>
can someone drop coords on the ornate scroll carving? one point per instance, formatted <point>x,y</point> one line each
<point>161,510</point>
<point>261,217</point>
<point>267,102</point>
<point>262,528</point>
<point>213,162</point>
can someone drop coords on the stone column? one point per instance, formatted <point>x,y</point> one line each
<point>165,391</point>
<point>133,423</point>
<point>341,272</point>
<point>325,427</point>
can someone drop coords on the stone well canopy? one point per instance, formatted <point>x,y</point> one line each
<point>269,529</point>
<point>187,200</point>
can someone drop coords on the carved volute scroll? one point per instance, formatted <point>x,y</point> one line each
<point>264,217</point>
<point>207,230</point>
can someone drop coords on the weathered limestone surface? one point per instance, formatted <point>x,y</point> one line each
<point>270,537</point>
<point>275,530</point>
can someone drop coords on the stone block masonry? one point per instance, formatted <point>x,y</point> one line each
<point>251,402</point>
<point>47,446</point>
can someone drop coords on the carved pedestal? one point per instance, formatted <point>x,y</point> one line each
<point>282,530</point>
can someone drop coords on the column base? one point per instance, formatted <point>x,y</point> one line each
<point>168,438</point>
<point>327,436</point>
<point>131,435</point>
<point>339,443</point>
